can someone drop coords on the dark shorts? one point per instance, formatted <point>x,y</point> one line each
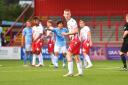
<point>124,47</point>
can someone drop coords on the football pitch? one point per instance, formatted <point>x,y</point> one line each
<point>102,73</point>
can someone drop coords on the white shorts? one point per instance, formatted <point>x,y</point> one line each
<point>60,49</point>
<point>28,48</point>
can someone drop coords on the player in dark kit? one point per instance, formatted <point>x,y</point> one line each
<point>124,48</point>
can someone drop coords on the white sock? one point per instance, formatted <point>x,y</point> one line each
<point>79,67</point>
<point>85,62</point>
<point>88,60</point>
<point>56,61</point>
<point>70,67</point>
<point>52,58</point>
<point>40,57</point>
<point>34,59</point>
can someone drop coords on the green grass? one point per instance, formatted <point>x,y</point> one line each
<point>102,73</point>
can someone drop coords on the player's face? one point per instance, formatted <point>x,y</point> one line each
<point>48,24</point>
<point>28,24</point>
<point>82,24</point>
<point>36,22</point>
<point>60,25</point>
<point>67,15</point>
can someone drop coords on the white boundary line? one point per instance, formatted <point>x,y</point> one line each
<point>108,68</point>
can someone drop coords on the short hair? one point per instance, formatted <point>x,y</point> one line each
<point>28,22</point>
<point>50,21</point>
<point>36,18</point>
<point>82,20</point>
<point>67,10</point>
<point>60,22</point>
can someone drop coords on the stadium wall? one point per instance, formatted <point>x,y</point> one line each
<point>81,7</point>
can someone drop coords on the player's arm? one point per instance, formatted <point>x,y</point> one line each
<point>125,34</point>
<point>75,31</point>
<point>38,37</point>
<point>23,38</point>
<point>50,29</point>
<point>80,36</point>
<point>22,41</point>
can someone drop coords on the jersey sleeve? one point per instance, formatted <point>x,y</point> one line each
<point>54,30</point>
<point>41,29</point>
<point>66,30</point>
<point>23,32</point>
<point>74,24</point>
<point>88,29</point>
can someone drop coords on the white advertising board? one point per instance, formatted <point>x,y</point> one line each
<point>10,53</point>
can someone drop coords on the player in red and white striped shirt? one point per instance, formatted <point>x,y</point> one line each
<point>74,46</point>
<point>85,36</point>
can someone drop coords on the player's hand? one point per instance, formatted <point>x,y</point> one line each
<point>64,34</point>
<point>90,44</point>
<point>34,40</point>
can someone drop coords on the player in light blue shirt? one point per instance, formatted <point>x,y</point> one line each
<point>27,42</point>
<point>60,41</point>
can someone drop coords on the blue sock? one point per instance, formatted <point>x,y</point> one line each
<point>30,57</point>
<point>64,59</point>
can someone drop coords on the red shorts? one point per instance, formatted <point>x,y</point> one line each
<point>41,43</point>
<point>85,46</point>
<point>51,46</point>
<point>74,46</point>
<point>36,47</point>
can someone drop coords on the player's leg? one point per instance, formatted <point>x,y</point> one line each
<point>87,61</point>
<point>52,58</point>
<point>56,60</point>
<point>25,58</point>
<point>79,65</point>
<point>30,57</point>
<point>63,50</point>
<point>41,62</point>
<point>34,54</point>
<point>85,50</point>
<point>84,60</point>
<point>123,58</point>
<point>56,51</point>
<point>70,64</point>
<point>39,54</point>
<point>34,59</point>
<point>64,59</point>
<point>29,53</point>
<point>26,54</point>
<point>51,50</point>
<point>122,55</point>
